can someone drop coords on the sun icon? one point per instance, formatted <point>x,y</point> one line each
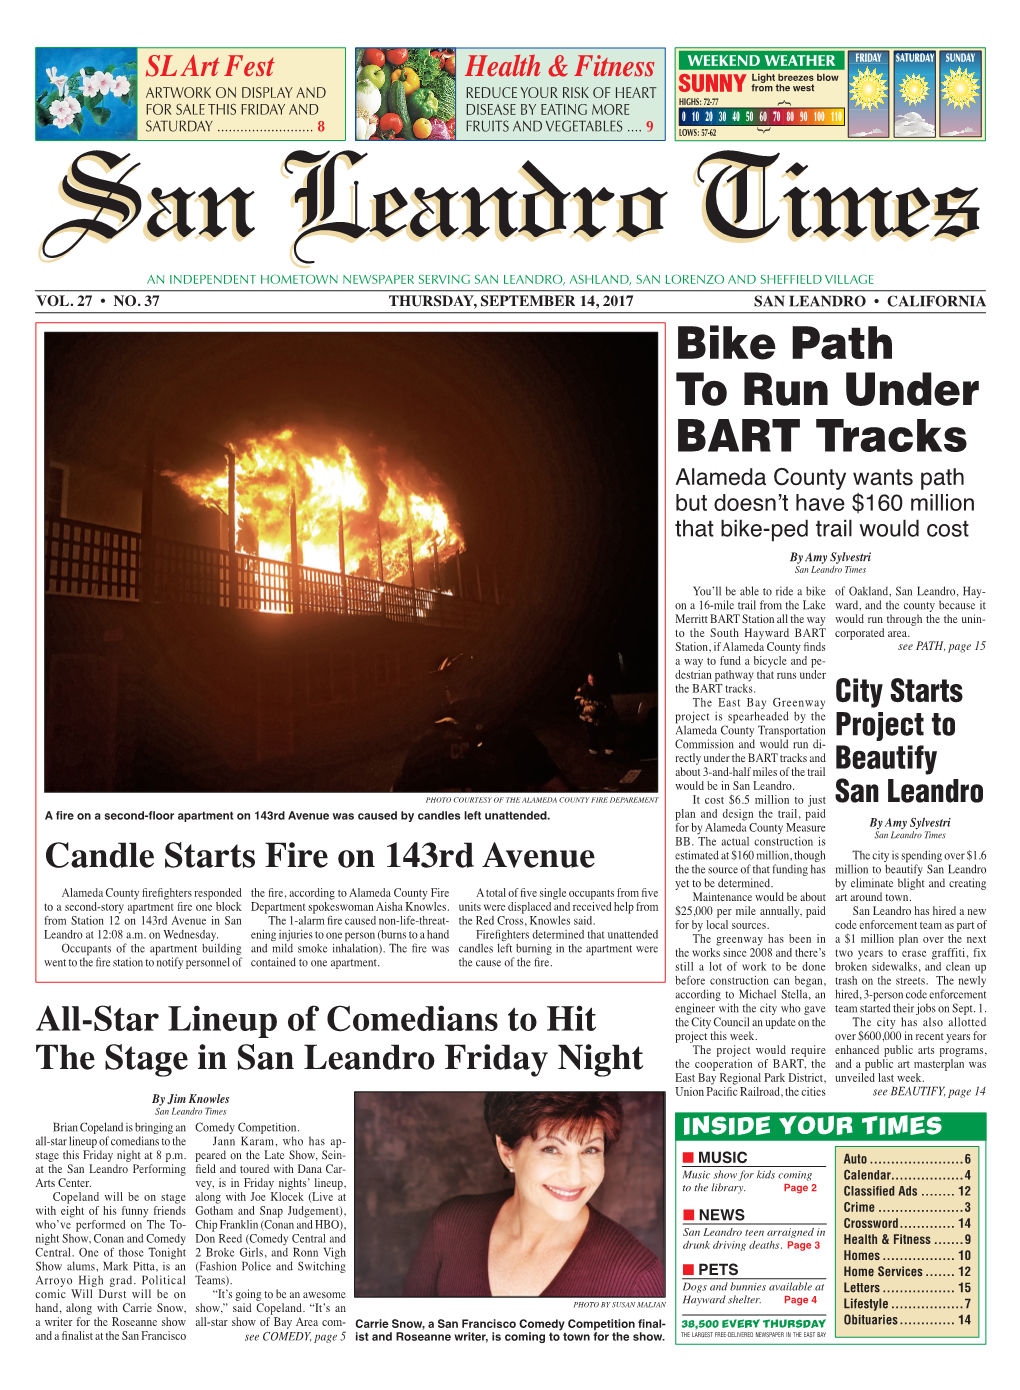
<point>913,89</point>
<point>868,89</point>
<point>959,88</point>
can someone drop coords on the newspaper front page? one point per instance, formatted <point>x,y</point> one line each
<point>511,847</point>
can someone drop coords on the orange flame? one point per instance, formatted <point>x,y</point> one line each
<point>398,505</point>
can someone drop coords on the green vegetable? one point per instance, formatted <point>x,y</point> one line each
<point>424,65</point>
<point>445,89</point>
<point>422,105</point>
<point>359,58</point>
<point>398,105</point>
<point>387,94</point>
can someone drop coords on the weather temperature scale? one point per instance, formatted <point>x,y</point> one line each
<point>801,117</point>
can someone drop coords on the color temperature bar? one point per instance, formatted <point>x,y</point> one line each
<point>759,115</point>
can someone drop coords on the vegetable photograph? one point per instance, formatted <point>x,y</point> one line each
<point>405,94</point>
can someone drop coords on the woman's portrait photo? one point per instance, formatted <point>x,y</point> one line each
<point>509,1194</point>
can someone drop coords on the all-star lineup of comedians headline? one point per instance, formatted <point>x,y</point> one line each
<point>575,1056</point>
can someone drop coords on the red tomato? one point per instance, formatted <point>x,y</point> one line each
<point>374,57</point>
<point>396,56</point>
<point>391,121</point>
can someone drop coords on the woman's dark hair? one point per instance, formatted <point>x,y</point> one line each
<point>513,1114</point>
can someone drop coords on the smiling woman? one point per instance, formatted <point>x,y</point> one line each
<point>543,1239</point>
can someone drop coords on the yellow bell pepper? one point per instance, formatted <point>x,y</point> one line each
<point>408,77</point>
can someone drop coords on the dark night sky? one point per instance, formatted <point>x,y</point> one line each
<point>548,441</point>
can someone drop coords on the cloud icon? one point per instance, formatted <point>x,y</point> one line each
<point>912,125</point>
<point>967,130</point>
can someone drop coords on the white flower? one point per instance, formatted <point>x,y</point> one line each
<point>59,82</point>
<point>105,81</point>
<point>62,113</point>
<point>90,84</point>
<point>72,104</point>
<point>121,87</point>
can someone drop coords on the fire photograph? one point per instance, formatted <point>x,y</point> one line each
<point>350,561</point>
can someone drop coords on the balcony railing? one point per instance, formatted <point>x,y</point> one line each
<point>90,561</point>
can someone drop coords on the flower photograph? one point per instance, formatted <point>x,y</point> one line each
<point>80,91</point>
